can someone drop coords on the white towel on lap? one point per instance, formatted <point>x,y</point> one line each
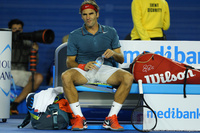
<point>45,98</point>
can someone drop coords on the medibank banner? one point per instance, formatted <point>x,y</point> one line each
<point>187,52</point>
<point>174,112</point>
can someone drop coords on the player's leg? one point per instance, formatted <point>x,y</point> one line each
<point>70,78</point>
<point>124,79</point>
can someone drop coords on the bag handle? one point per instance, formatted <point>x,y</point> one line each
<point>55,118</point>
<point>13,83</point>
<point>136,60</point>
<point>152,57</point>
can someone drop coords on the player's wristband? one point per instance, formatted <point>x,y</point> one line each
<point>81,66</point>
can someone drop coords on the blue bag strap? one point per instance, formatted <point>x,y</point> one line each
<point>13,84</point>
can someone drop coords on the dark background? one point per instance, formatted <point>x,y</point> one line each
<point>62,16</point>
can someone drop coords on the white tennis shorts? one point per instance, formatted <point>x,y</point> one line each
<point>102,75</point>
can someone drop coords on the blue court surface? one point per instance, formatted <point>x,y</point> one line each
<point>10,126</point>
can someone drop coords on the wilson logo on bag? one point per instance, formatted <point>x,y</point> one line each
<point>167,77</point>
<point>153,68</point>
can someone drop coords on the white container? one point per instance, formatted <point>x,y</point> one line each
<point>5,72</point>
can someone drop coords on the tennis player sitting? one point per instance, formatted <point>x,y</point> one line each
<point>85,44</point>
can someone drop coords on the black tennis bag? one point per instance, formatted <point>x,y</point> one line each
<point>56,116</point>
<point>53,118</point>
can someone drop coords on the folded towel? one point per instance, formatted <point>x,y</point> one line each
<point>44,98</point>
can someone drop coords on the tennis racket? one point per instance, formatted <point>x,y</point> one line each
<point>143,118</point>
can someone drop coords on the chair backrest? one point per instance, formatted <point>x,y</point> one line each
<point>60,63</point>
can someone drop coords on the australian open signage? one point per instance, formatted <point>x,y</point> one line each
<point>5,71</point>
<point>5,67</point>
<point>182,51</point>
<point>5,64</point>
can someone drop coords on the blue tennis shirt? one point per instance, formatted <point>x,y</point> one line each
<point>87,47</point>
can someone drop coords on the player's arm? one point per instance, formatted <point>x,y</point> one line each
<point>115,53</point>
<point>71,62</point>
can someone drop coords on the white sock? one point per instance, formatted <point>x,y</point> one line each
<point>76,108</point>
<point>116,107</point>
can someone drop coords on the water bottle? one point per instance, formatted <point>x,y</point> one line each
<point>91,73</point>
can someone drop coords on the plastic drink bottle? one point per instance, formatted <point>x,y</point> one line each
<point>91,73</point>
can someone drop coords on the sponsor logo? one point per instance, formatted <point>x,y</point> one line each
<point>84,122</point>
<point>189,57</point>
<point>147,68</point>
<point>107,122</point>
<point>175,113</point>
<point>167,77</point>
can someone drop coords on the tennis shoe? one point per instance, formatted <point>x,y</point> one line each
<point>112,123</point>
<point>79,123</point>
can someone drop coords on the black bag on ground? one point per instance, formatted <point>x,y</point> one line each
<point>52,118</point>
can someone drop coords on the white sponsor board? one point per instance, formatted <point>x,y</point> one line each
<point>187,52</point>
<point>5,68</point>
<point>175,112</point>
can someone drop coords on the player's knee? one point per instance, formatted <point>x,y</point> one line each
<point>128,78</point>
<point>66,76</point>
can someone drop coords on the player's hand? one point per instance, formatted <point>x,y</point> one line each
<point>108,53</point>
<point>90,65</point>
